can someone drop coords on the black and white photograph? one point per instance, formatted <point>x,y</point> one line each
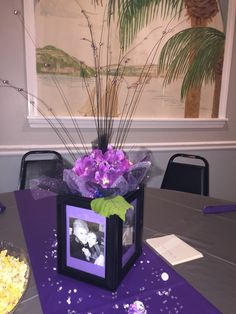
<point>87,241</point>
<point>128,234</point>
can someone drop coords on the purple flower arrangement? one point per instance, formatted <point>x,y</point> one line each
<point>100,174</point>
<point>103,168</point>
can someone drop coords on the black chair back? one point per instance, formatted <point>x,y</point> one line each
<point>35,164</point>
<point>187,175</point>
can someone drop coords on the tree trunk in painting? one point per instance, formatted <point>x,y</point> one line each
<point>192,103</point>
<point>200,12</point>
<point>217,89</point>
<point>193,96</point>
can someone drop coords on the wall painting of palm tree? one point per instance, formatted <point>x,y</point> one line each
<point>171,50</point>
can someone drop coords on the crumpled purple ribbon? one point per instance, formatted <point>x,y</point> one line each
<point>41,186</point>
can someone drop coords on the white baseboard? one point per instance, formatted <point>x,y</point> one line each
<point>11,150</point>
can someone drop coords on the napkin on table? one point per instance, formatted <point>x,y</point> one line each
<point>211,209</point>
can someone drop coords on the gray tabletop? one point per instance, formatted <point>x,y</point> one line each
<point>214,275</point>
<point>166,212</point>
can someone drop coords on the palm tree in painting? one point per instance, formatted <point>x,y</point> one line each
<point>135,14</point>
<point>206,66</point>
<point>200,13</point>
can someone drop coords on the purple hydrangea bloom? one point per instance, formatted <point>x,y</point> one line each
<point>103,169</point>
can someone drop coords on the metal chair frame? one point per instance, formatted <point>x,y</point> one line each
<point>37,163</point>
<point>187,177</point>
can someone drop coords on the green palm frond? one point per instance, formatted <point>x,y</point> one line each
<point>194,53</point>
<point>135,14</point>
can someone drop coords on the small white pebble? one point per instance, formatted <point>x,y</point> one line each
<point>164,276</point>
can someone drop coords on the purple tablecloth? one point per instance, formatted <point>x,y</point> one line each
<point>151,280</point>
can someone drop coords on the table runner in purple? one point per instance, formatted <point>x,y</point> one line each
<point>151,280</point>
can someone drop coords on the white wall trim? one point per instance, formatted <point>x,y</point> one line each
<point>147,123</point>
<point>30,53</point>
<point>11,150</point>
<point>227,58</point>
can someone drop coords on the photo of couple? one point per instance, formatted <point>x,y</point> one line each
<point>87,241</point>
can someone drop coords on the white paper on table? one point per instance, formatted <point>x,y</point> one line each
<point>173,249</point>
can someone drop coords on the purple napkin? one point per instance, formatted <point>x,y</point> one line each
<point>212,209</point>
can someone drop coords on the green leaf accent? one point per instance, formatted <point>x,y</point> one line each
<point>107,206</point>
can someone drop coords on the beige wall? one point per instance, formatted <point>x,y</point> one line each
<point>14,129</point>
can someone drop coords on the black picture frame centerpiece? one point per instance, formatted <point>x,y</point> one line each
<point>97,249</point>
